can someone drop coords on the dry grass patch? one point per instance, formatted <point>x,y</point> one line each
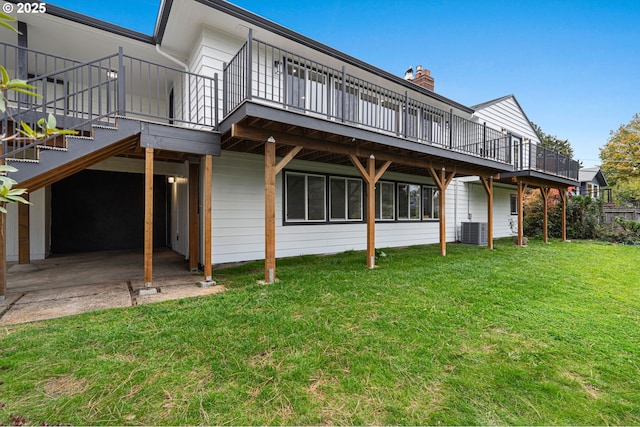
<point>428,401</point>
<point>262,360</point>
<point>318,385</point>
<point>64,386</point>
<point>591,391</point>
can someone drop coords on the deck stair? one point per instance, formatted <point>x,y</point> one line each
<point>115,102</point>
<point>69,154</point>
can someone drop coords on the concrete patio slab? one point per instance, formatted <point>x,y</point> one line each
<point>178,291</point>
<point>50,304</point>
<point>67,285</point>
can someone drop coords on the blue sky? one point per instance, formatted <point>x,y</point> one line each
<point>574,65</point>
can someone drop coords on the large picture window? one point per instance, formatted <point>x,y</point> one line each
<point>345,195</point>
<point>305,197</point>
<point>317,198</point>
<point>409,201</point>
<point>385,201</point>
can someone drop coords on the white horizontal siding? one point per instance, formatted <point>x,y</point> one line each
<point>211,52</point>
<point>409,233</point>
<point>238,215</point>
<point>472,199</point>
<point>506,114</point>
<point>502,217</point>
<point>237,207</point>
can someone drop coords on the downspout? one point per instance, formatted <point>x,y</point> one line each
<point>186,69</point>
<point>469,190</point>
<point>171,58</point>
<point>455,209</point>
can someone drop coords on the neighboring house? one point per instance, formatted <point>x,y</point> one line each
<point>228,137</point>
<point>592,183</point>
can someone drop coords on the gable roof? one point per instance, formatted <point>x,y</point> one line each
<point>487,106</point>
<point>593,175</point>
<point>493,101</point>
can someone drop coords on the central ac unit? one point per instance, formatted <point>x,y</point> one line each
<point>474,233</point>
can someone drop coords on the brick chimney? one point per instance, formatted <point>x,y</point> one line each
<point>423,78</point>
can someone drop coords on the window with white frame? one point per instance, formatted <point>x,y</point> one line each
<point>513,199</point>
<point>305,197</point>
<point>430,203</point>
<point>409,201</point>
<point>345,197</point>
<point>312,197</point>
<point>385,201</point>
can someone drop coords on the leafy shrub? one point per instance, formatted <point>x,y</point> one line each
<point>583,216</point>
<point>622,230</point>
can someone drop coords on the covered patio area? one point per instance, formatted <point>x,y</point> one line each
<point>72,284</point>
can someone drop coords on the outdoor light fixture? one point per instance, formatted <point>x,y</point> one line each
<point>171,179</point>
<point>112,74</point>
<point>271,139</point>
<point>277,67</point>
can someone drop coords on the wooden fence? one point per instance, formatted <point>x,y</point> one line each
<point>628,213</point>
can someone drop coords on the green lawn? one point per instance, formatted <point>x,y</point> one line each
<point>544,334</point>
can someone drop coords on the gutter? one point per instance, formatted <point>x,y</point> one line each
<point>172,58</point>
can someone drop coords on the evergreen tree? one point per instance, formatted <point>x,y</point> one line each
<point>562,146</point>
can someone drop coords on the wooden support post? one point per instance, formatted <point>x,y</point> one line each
<point>24,248</point>
<point>488,186</point>
<point>442,180</point>
<point>148,216</point>
<point>563,196</point>
<point>271,169</point>
<point>270,212</point>
<point>521,189</point>
<point>371,212</point>
<point>370,177</point>
<point>544,191</point>
<point>443,219</point>
<point>194,242</point>
<point>208,180</point>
